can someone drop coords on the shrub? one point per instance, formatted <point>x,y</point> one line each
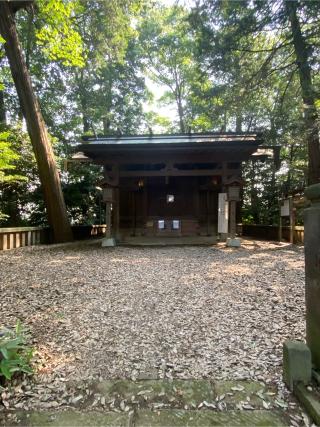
<point>15,355</point>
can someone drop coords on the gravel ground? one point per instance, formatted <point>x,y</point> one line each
<point>181,312</point>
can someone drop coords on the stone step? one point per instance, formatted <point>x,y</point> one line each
<point>144,418</point>
<point>187,394</point>
<point>209,418</point>
<point>68,418</point>
<point>162,403</point>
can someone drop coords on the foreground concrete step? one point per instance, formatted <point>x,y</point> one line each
<point>163,403</point>
<point>209,418</point>
<point>187,394</point>
<point>69,418</point>
<point>176,393</point>
<point>251,392</point>
<point>144,418</point>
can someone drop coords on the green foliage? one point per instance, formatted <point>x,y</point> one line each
<point>58,36</point>
<point>167,48</point>
<point>224,66</point>
<point>8,156</point>
<point>19,177</point>
<point>8,163</point>
<point>245,48</point>
<point>86,69</point>
<point>15,355</point>
<point>83,198</point>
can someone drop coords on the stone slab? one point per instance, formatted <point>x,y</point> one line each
<point>108,242</point>
<point>175,392</point>
<point>162,418</point>
<point>239,391</point>
<point>73,419</point>
<point>233,243</point>
<point>297,365</point>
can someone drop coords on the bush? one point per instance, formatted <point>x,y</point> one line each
<point>15,355</point>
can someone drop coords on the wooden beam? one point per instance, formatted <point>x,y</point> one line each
<point>176,172</point>
<point>160,157</point>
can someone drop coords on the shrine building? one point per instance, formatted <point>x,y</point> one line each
<point>182,186</point>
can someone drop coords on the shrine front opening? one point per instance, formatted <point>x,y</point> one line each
<point>169,206</point>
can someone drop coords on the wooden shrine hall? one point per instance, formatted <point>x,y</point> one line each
<point>183,186</point>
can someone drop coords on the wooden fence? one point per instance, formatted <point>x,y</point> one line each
<point>16,237</point>
<point>271,232</point>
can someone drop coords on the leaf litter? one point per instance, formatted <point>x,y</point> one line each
<point>178,312</point>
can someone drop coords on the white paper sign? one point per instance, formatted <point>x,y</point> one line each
<point>223,213</point>
<point>285,208</point>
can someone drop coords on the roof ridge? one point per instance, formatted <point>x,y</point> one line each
<point>172,135</point>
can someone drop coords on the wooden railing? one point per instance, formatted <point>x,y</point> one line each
<point>271,232</point>
<point>17,237</point>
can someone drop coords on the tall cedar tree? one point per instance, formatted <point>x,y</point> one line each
<point>308,93</point>
<point>48,173</point>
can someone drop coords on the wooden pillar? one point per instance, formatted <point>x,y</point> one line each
<point>233,219</point>
<point>116,213</point>
<point>292,219</point>
<point>280,222</point>
<point>108,220</point>
<point>207,210</point>
<point>196,202</point>
<point>145,206</point>
<point>134,220</point>
<point>233,197</point>
<point>108,198</point>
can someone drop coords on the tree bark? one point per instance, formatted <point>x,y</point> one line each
<point>181,116</point>
<point>308,93</point>
<point>48,173</point>
<point>3,112</point>
<point>83,102</point>
<point>3,117</point>
<point>106,125</point>
<point>238,122</point>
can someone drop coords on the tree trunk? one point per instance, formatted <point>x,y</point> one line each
<point>238,122</point>
<point>106,125</point>
<point>48,173</point>
<point>181,114</point>
<point>83,102</point>
<point>3,118</point>
<point>224,121</point>
<point>3,113</point>
<point>308,93</point>
<point>85,119</point>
